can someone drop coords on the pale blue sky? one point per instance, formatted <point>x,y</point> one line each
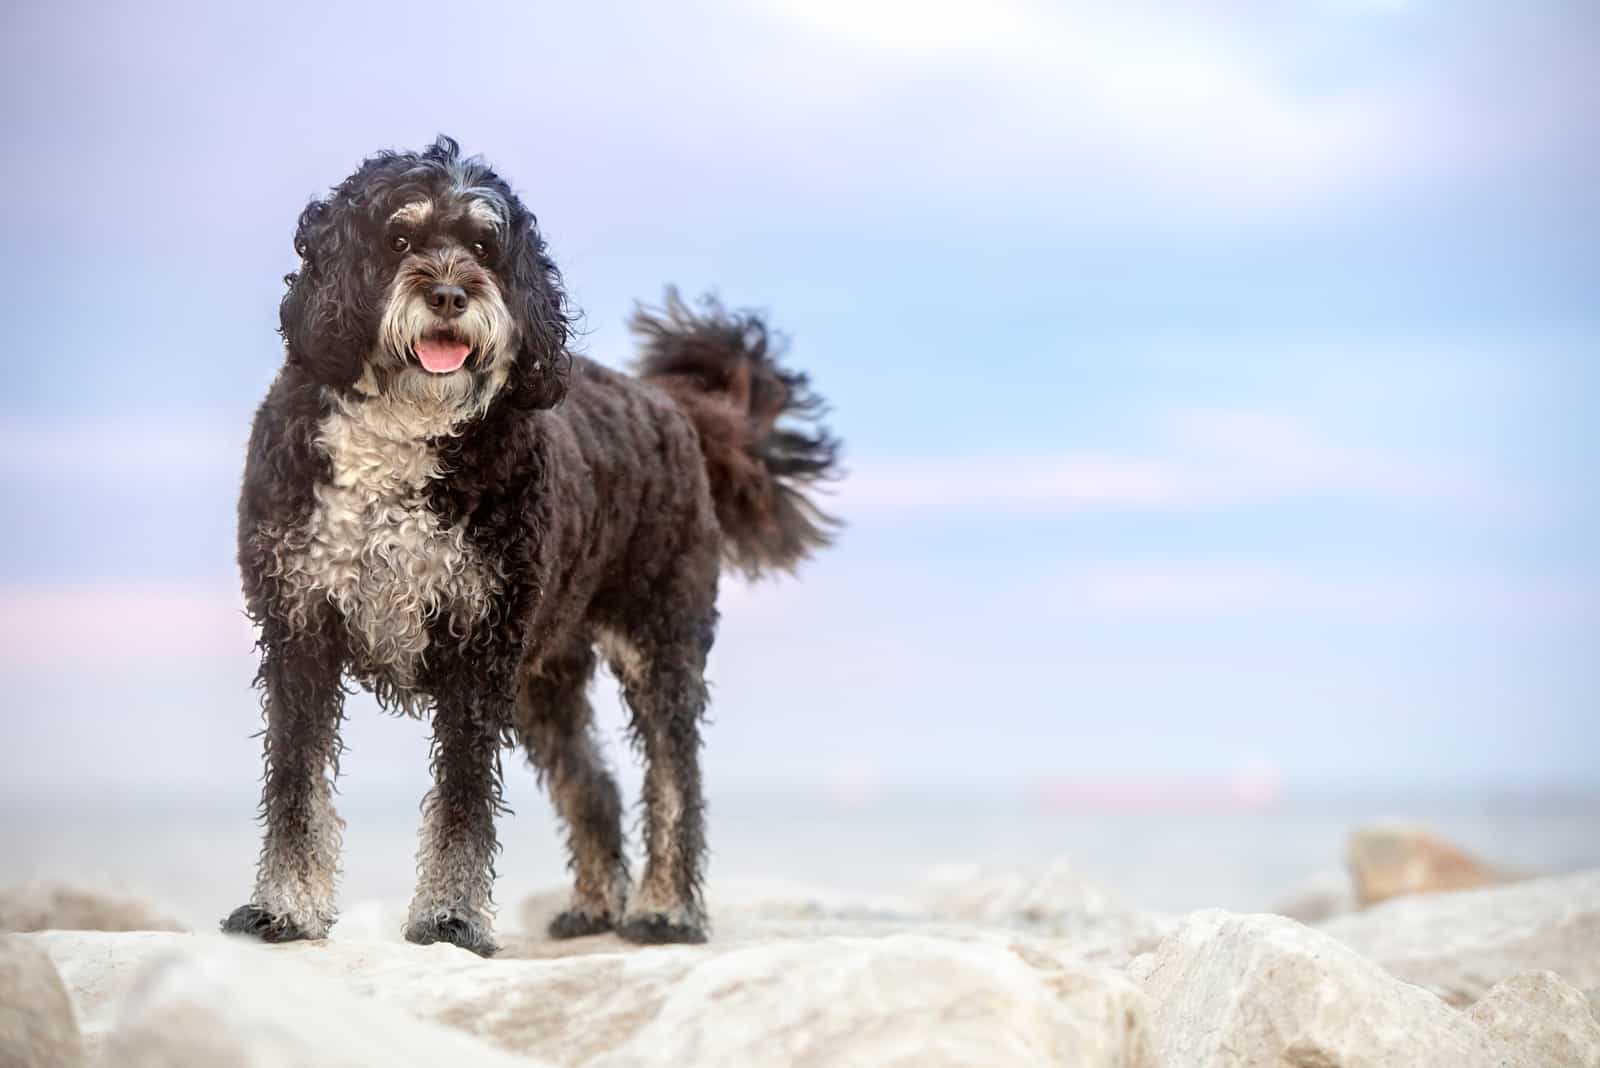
<point>1217,387</point>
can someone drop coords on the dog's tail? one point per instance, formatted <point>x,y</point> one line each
<point>722,369</point>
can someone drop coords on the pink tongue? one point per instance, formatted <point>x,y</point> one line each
<point>442,357</point>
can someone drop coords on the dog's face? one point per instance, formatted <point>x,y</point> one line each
<point>425,281</point>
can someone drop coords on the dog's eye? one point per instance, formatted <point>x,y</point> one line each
<point>480,249</point>
<point>400,243</point>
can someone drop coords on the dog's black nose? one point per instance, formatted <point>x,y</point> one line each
<point>447,301</point>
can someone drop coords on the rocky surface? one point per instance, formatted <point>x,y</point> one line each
<point>1396,861</point>
<point>1459,945</point>
<point>1543,1018</point>
<point>187,1001</point>
<point>1231,991</point>
<point>1321,897</point>
<point>957,903</point>
<point>898,999</point>
<point>1055,903</point>
<point>974,968</point>
<point>37,1026</point>
<point>59,907</point>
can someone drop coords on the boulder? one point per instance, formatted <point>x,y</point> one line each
<point>37,1025</point>
<point>897,1000</point>
<point>1541,1017</point>
<point>1396,861</point>
<point>1231,991</point>
<point>1459,945</point>
<point>53,907</point>
<point>911,999</point>
<point>372,920</point>
<point>742,913</point>
<point>1323,896</point>
<point>200,1001</point>
<point>1053,903</point>
<point>959,903</point>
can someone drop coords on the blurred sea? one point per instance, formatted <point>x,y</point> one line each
<point>197,854</point>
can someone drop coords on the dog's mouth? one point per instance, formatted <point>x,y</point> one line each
<point>441,352</point>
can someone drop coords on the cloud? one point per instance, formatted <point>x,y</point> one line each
<point>1275,589</point>
<point>147,452</point>
<point>121,623</point>
<point>1200,459</point>
<point>1141,104</point>
<point>1069,481</point>
<point>858,621</point>
<point>1203,459</point>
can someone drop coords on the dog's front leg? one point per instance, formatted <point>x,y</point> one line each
<point>455,859</point>
<point>297,875</point>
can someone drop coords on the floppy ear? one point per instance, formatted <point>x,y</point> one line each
<point>539,305</point>
<point>325,317</point>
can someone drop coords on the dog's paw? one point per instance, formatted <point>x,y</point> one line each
<point>576,923</point>
<point>657,928</point>
<point>457,930</point>
<point>257,922</point>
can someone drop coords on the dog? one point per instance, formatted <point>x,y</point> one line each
<point>444,505</point>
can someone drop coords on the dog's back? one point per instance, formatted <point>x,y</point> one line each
<point>711,441</point>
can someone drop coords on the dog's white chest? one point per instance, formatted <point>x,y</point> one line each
<point>375,549</point>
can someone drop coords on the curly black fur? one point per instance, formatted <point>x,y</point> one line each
<point>329,313</point>
<point>722,368</point>
<point>460,542</point>
<point>250,920</point>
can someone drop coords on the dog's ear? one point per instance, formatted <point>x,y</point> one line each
<point>325,318</point>
<point>539,305</point>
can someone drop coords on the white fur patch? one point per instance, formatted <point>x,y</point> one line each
<point>298,877</point>
<point>622,655</point>
<point>486,212</point>
<point>437,404</point>
<point>413,213</point>
<point>375,549</point>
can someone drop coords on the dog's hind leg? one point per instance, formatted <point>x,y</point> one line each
<point>664,685</point>
<point>297,875</point>
<point>556,723</point>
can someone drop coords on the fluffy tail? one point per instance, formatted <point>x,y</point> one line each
<point>721,367</point>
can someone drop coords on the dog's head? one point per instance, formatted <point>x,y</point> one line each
<point>423,280</point>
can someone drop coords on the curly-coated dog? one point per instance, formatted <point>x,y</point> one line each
<point>441,504</point>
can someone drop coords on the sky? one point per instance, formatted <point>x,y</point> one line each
<point>1216,379</point>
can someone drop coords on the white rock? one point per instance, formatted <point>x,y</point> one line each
<point>1054,902</point>
<point>901,1000</point>
<point>199,1001</point>
<point>372,921</point>
<point>749,911</point>
<point>37,1025</point>
<point>59,907</point>
<point>1321,897</point>
<point>906,999</point>
<point>1231,991</point>
<point>956,902</point>
<point>1541,1020</point>
<point>785,898</point>
<point>1460,944</point>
